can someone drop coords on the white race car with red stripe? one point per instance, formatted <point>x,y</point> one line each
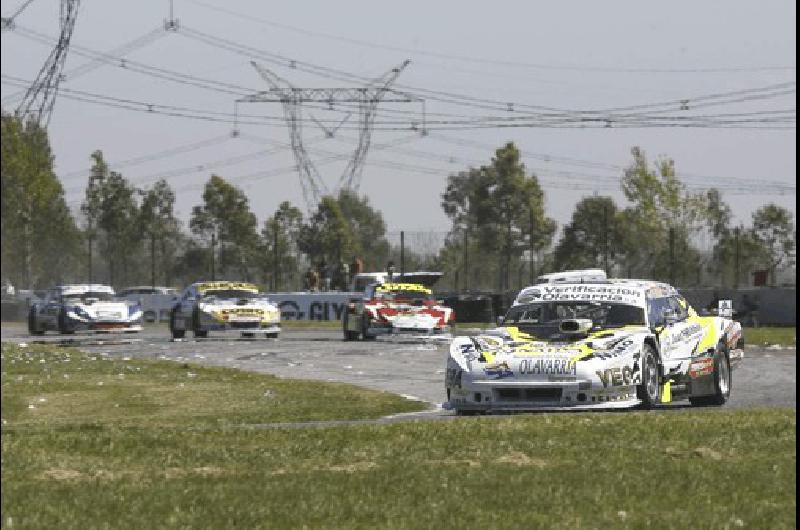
<point>396,308</point>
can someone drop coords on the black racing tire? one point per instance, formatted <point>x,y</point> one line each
<point>33,325</point>
<point>150,316</point>
<point>199,333</point>
<point>649,390</point>
<point>722,381</point>
<point>349,335</point>
<point>364,327</point>
<point>271,335</point>
<point>176,333</point>
<point>248,335</point>
<point>63,325</point>
<point>465,412</point>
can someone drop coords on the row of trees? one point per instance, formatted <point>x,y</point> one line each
<point>500,235</point>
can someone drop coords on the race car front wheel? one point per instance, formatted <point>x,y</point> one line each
<point>722,382</point>
<point>349,335</point>
<point>365,329</point>
<point>201,333</point>
<point>176,333</point>
<point>33,325</point>
<point>649,390</point>
<point>63,325</point>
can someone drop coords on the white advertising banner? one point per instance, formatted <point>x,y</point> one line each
<point>312,306</point>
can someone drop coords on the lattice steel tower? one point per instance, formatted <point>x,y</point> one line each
<point>292,98</point>
<point>37,104</point>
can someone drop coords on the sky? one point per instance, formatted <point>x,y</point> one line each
<point>572,56</point>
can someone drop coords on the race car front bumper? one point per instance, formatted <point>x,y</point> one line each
<point>244,327</point>
<point>392,330</point>
<point>506,396</point>
<point>106,327</point>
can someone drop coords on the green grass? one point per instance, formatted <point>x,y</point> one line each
<point>158,448</point>
<point>768,336</point>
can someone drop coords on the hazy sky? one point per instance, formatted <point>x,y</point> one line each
<point>566,55</point>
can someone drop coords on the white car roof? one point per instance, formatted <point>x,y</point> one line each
<point>625,291</point>
<point>573,276</point>
<point>80,288</point>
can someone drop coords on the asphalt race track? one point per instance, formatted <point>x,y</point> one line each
<point>413,368</point>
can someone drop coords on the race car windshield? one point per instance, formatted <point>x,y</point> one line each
<point>89,295</point>
<point>547,315</point>
<point>230,293</point>
<point>406,296</point>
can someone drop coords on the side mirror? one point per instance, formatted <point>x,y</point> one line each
<point>500,320</point>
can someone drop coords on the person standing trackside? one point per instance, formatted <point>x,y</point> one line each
<point>390,269</point>
<point>312,280</point>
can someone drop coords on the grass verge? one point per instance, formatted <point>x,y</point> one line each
<point>160,460</point>
<point>769,336</point>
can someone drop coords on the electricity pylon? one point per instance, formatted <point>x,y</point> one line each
<point>292,98</point>
<point>37,104</point>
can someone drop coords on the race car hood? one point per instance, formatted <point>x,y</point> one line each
<point>401,315</point>
<point>226,308</point>
<point>506,352</point>
<point>111,310</point>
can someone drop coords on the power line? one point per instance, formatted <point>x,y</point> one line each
<point>538,66</point>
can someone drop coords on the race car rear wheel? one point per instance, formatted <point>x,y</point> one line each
<point>649,390</point>
<point>176,333</point>
<point>63,326</point>
<point>33,325</point>
<point>348,334</point>
<point>722,381</point>
<point>365,329</point>
<point>200,333</point>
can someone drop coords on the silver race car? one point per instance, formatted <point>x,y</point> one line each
<point>85,307</point>
<point>224,307</point>
<point>599,343</point>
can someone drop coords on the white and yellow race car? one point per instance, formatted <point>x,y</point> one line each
<point>223,306</point>
<point>601,343</point>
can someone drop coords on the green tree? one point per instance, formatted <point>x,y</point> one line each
<point>160,227</point>
<point>593,237</point>
<point>501,209</point>
<point>774,230</point>
<point>40,240</point>
<point>661,221</point>
<point>368,229</point>
<point>225,215</point>
<point>328,237</point>
<point>279,236</point>
<point>117,219</point>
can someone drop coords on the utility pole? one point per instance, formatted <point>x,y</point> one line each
<point>402,252</point>
<point>531,275</point>
<point>90,239</point>
<point>605,239</point>
<point>213,256</point>
<point>153,259</point>
<point>276,252</point>
<point>466,258</point>
<point>736,232</point>
<point>672,255</point>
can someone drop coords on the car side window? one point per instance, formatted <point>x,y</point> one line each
<point>656,307</point>
<point>680,309</point>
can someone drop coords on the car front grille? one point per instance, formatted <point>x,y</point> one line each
<point>245,325</point>
<point>548,394</point>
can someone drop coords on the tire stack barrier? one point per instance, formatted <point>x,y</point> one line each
<point>471,307</point>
